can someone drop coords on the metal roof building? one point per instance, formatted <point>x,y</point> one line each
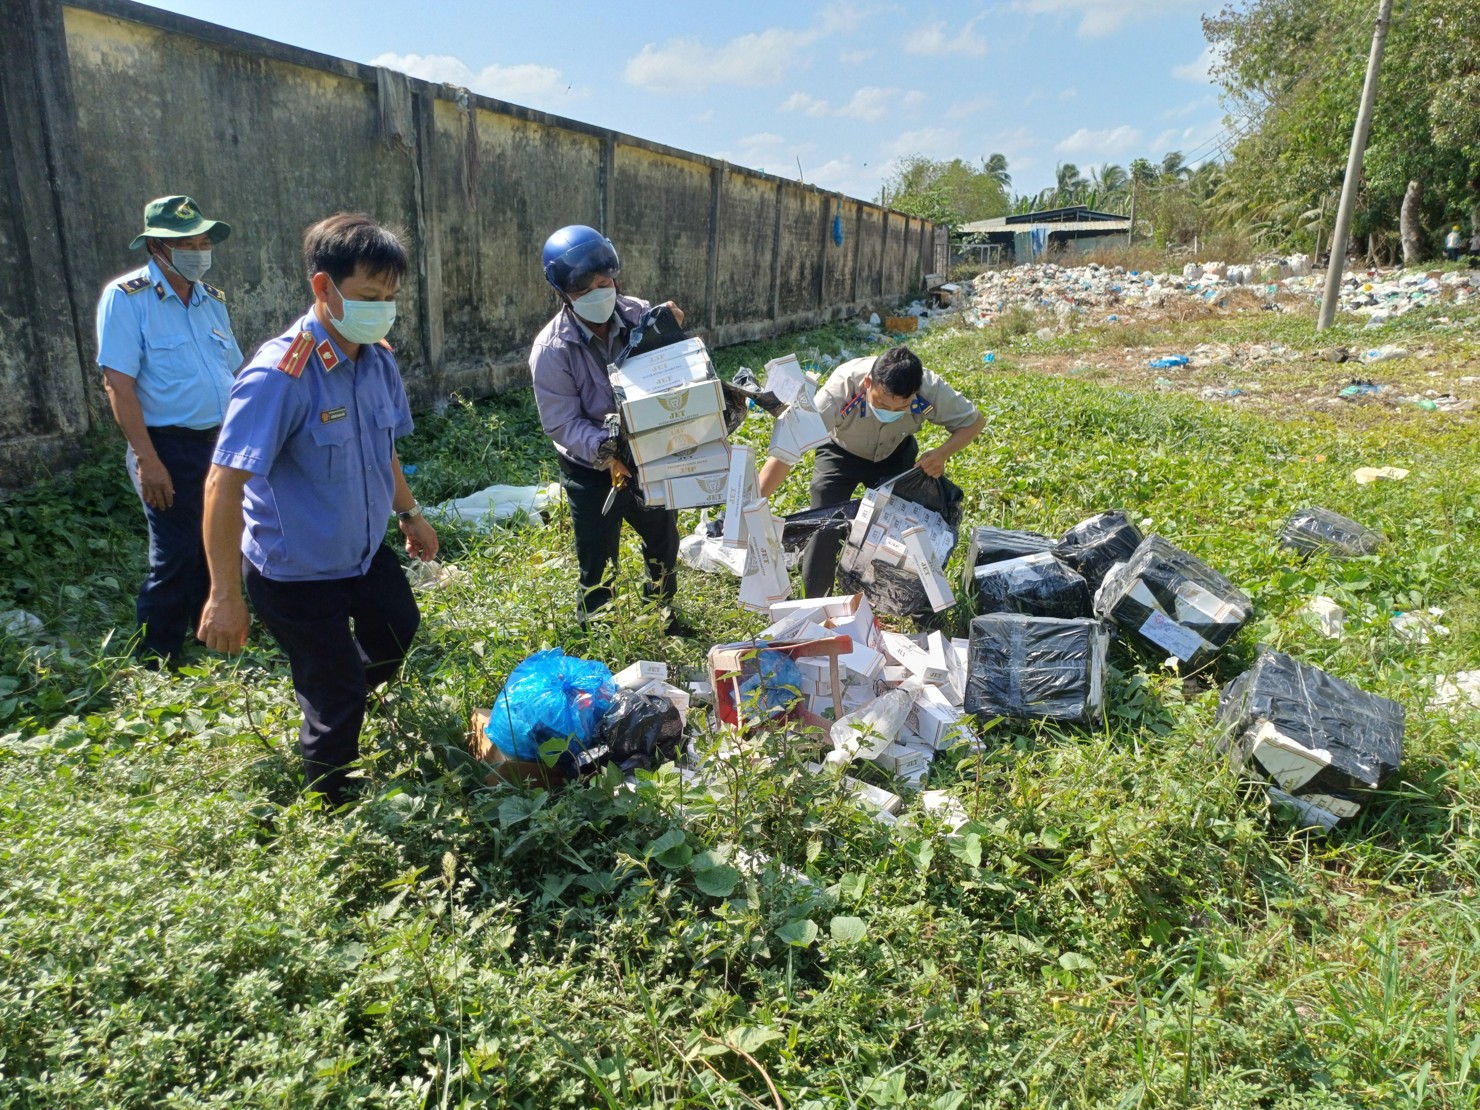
<point>1030,235</point>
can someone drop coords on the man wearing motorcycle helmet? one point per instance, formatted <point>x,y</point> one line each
<point>568,363</point>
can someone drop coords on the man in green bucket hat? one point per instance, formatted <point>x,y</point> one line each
<point>168,356</point>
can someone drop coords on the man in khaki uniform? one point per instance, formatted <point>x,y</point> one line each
<point>873,407</point>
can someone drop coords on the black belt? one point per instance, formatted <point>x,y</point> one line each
<point>186,433</point>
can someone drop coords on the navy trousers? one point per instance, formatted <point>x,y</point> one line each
<point>836,475</point>
<point>343,638</point>
<point>599,537</point>
<point>176,585</point>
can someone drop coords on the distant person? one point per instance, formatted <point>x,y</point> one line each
<point>873,407</point>
<point>573,392</point>
<point>1453,244</point>
<point>1474,259</point>
<point>307,459</point>
<point>167,354</point>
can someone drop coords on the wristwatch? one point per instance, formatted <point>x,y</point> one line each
<point>404,515</point>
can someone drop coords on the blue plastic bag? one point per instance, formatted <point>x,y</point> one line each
<point>548,696</point>
<point>776,685</point>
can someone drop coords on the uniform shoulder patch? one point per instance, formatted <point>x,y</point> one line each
<point>295,358</point>
<point>214,292</point>
<point>134,285</point>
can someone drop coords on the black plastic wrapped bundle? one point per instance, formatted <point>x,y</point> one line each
<point>1320,740</point>
<point>1038,585</point>
<point>1038,668</point>
<point>640,731</point>
<point>996,545</point>
<point>798,528</point>
<point>1095,545</point>
<point>1173,602</point>
<point>1315,529</point>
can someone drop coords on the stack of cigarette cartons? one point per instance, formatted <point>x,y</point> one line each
<point>894,532</point>
<point>799,428</point>
<point>672,410</point>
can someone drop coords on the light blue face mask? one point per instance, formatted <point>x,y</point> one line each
<point>364,321</point>
<point>887,416</point>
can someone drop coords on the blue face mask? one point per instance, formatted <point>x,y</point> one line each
<point>887,416</point>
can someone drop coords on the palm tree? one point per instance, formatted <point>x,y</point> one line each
<point>995,167</point>
<point>1174,166</point>
<point>1109,184</point>
<point>1069,183</point>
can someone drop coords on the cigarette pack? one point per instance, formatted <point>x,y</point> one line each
<point>640,674</point>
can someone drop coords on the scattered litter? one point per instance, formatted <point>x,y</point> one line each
<point>1331,617</point>
<point>432,575</point>
<point>18,622</point>
<point>1316,529</point>
<point>1366,475</point>
<point>1322,741</point>
<point>1360,388</point>
<point>550,696</point>
<point>1418,626</point>
<point>1171,362</point>
<point>1385,353</point>
<point>1460,692</point>
<point>990,356</point>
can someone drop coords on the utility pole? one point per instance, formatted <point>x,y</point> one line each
<point>1353,169</point>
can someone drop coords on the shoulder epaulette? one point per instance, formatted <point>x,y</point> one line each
<point>213,291</point>
<point>919,406</point>
<point>295,358</point>
<point>134,285</point>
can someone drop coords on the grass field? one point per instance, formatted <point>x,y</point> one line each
<point>1122,923</point>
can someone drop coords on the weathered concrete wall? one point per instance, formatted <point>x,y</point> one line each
<point>107,103</point>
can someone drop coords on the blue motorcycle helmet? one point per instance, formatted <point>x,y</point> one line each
<point>575,253</point>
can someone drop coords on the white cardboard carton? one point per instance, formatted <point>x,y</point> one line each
<point>911,655</point>
<point>709,458</point>
<point>673,406</point>
<point>676,364</point>
<point>740,490</point>
<point>937,589</point>
<point>766,581</point>
<point>640,674</point>
<point>648,447</point>
<point>692,491</point>
<point>932,718</point>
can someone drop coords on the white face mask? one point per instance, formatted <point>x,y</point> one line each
<point>596,306</point>
<point>190,265</point>
<point>364,321</point>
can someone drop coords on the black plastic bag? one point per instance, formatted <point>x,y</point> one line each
<point>898,591</point>
<point>640,731</point>
<point>1038,585</point>
<point>939,495</point>
<point>1315,529</point>
<point>996,545</point>
<point>1036,668</point>
<point>1095,545</point>
<point>1319,739</point>
<point>1173,602</point>
<point>799,528</point>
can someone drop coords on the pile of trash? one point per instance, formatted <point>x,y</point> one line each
<point>1112,293</point>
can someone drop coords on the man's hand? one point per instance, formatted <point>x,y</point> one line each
<point>155,483</point>
<point>933,462</point>
<point>223,623</point>
<point>421,538</point>
<point>677,312</point>
<point>619,469</point>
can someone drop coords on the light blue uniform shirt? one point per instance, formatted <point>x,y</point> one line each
<point>181,358</point>
<point>319,448</point>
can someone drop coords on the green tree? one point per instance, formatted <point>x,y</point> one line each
<point>950,193</point>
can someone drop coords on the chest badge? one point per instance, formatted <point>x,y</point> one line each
<point>327,356</point>
<point>328,416</point>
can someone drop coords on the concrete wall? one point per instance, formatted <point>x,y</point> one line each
<point>107,103</point>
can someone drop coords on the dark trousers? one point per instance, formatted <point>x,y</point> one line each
<point>599,537</point>
<point>175,586</point>
<point>343,638</point>
<point>835,475</point>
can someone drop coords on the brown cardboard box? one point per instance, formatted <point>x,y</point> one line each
<point>901,323</point>
<point>520,772</point>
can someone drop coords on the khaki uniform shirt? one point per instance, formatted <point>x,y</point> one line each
<point>845,410</point>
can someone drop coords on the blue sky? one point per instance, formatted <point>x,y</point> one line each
<point>841,88</point>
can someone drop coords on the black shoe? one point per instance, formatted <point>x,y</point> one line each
<point>679,627</point>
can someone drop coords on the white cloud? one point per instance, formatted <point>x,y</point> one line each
<point>841,176</point>
<point>855,57</point>
<point>1199,70</point>
<point>523,84</point>
<point>687,65</point>
<point>933,142</point>
<point>960,109</point>
<point>913,99</point>
<point>1103,17</point>
<point>1190,108</point>
<point>807,105</point>
<point>1066,95</point>
<point>870,104</point>
<point>934,39</point>
<point>1095,146</point>
<point>766,150</point>
<point>1199,142</point>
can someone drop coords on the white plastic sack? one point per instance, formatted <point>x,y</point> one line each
<point>496,503</point>
<point>866,732</point>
